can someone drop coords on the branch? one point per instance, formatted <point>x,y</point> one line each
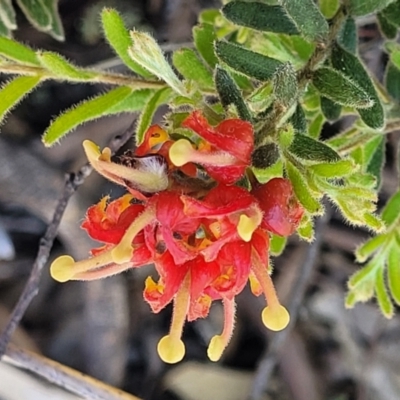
<point>68,378</point>
<point>73,181</point>
<point>269,360</point>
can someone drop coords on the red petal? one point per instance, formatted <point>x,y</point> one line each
<point>234,136</point>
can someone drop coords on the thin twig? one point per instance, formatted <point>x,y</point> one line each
<point>68,378</point>
<point>269,360</point>
<point>73,181</point>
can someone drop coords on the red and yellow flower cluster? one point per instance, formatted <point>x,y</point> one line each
<point>206,236</point>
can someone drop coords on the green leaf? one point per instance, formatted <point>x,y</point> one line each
<point>364,7</point>
<point>315,127</point>
<point>302,190</point>
<point>246,61</point>
<point>329,7</point>
<point>60,67</point>
<point>12,92</point>
<point>4,31</point>
<point>136,101</point>
<point>351,66</point>
<point>330,109</point>
<point>392,81</point>
<point>369,247</point>
<point>265,156</point>
<point>56,28</point>
<point>340,89</point>
<point>190,67</point>
<point>388,29</point>
<point>392,11</point>
<point>377,161</point>
<point>306,229</point>
<point>7,14</point>
<point>85,111</point>
<point>146,117</point>
<point>118,37</point>
<point>367,273</point>
<point>308,18</point>
<point>393,273</point>
<point>385,304</point>
<point>15,51</point>
<point>285,85</point>
<point>298,120</point>
<point>204,37</point>
<point>391,211</point>
<point>229,93</point>
<point>310,149</point>
<point>277,244</point>
<point>146,52</point>
<point>347,37</point>
<point>260,16</point>
<point>333,170</point>
<point>36,13</point>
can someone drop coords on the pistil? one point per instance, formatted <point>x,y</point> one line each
<point>171,347</point>
<point>219,342</point>
<point>274,316</point>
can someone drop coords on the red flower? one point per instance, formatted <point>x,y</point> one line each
<point>206,241</point>
<point>225,151</point>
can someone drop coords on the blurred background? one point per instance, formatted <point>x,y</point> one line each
<point>104,328</point>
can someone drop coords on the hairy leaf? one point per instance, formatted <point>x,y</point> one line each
<point>204,37</point>
<point>7,14</point>
<point>347,37</point>
<point>60,67</point>
<point>134,102</point>
<point>351,66</point>
<point>285,85</point>
<point>16,51</point>
<point>36,13</point>
<point>12,92</point>
<point>308,18</point>
<point>387,28</point>
<point>119,39</point>
<point>246,61</point>
<point>364,7</point>
<point>391,211</point>
<point>146,52</point>
<point>146,117</point>
<point>56,28</point>
<point>340,89</point>
<point>392,81</point>
<point>392,11</point>
<point>85,111</point>
<point>229,93</point>
<point>329,7</point>
<point>369,247</point>
<point>382,295</point>
<point>190,66</point>
<point>298,120</point>
<point>260,16</point>
<point>330,109</point>
<point>393,273</point>
<point>310,149</point>
<point>333,170</point>
<point>302,190</point>
<point>377,161</point>
<point>277,244</point>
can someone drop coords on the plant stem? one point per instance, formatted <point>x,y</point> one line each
<point>100,77</point>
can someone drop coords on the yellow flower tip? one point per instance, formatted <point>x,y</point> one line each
<point>171,350</point>
<point>61,269</point>
<point>179,152</point>
<point>91,149</point>
<point>275,318</point>
<point>216,348</point>
<point>246,227</point>
<point>122,253</point>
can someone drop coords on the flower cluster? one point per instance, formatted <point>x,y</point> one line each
<point>206,236</point>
